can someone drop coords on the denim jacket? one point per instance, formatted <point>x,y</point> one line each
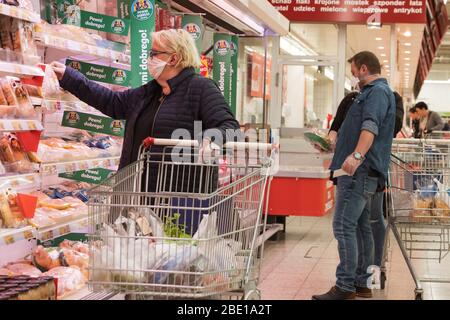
<point>372,110</point>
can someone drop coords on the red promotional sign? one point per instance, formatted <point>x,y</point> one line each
<point>353,11</point>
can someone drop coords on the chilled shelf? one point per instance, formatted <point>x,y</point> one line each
<point>20,181</point>
<point>10,236</point>
<point>19,70</point>
<point>20,125</point>
<point>19,13</point>
<point>70,166</point>
<point>80,48</point>
<point>61,229</point>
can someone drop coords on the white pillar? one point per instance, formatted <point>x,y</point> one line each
<point>342,61</point>
<point>393,60</point>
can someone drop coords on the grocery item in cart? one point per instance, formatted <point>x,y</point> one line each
<point>69,279</point>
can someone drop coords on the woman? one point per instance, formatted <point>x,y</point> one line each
<point>173,100</point>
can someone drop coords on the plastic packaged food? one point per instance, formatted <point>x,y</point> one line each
<point>2,98</point>
<point>50,85</point>
<point>8,92</point>
<point>6,272</point>
<point>75,245</point>
<point>70,258</point>
<point>69,279</point>
<point>25,109</point>
<point>46,258</point>
<point>33,91</point>
<point>5,212</point>
<point>23,268</point>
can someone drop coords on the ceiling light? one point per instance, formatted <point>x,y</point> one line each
<point>381,48</point>
<point>385,61</point>
<point>407,52</point>
<point>378,39</point>
<point>407,33</point>
<point>407,64</point>
<point>407,44</point>
<point>383,55</point>
<point>407,59</point>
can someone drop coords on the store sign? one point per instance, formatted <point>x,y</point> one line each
<point>233,66</point>
<point>94,123</point>
<point>95,176</point>
<point>142,25</point>
<point>194,25</point>
<point>100,73</point>
<point>222,63</point>
<point>123,9</point>
<point>353,11</point>
<point>257,76</point>
<point>62,8</point>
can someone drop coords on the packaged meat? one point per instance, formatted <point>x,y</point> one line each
<point>72,258</point>
<point>10,212</point>
<point>6,272</point>
<point>24,269</point>
<point>33,157</point>
<point>2,98</point>
<point>33,91</point>
<point>41,220</point>
<point>6,153</point>
<point>46,258</point>
<point>69,279</point>
<point>75,245</point>
<point>25,109</point>
<point>50,86</point>
<point>8,92</point>
<point>57,204</point>
<point>18,152</point>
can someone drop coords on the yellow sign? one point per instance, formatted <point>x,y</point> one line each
<point>9,239</point>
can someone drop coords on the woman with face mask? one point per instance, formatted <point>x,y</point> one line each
<point>175,99</point>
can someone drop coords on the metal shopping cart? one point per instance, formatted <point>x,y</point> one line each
<point>418,202</point>
<point>172,225</point>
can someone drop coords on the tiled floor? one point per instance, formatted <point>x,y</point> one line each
<point>303,262</point>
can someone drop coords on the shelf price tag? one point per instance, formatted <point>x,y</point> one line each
<point>64,230</point>
<point>28,234</point>
<point>47,235</point>
<point>9,239</point>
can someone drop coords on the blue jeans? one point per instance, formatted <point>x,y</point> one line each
<point>378,226</point>
<point>351,227</point>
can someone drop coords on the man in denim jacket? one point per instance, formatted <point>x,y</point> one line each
<point>363,151</point>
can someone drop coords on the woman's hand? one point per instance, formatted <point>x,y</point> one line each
<point>59,69</point>
<point>208,151</point>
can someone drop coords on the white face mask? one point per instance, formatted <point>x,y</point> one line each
<point>355,83</point>
<point>156,67</point>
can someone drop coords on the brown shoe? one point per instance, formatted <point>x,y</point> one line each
<point>362,292</point>
<point>335,294</point>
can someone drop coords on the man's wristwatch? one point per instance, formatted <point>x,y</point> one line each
<point>358,156</point>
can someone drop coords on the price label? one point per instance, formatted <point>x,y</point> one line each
<point>83,166</point>
<point>47,235</point>
<point>32,125</point>
<point>96,164</point>
<point>9,239</point>
<point>64,230</point>
<point>2,127</point>
<point>17,125</point>
<point>14,183</point>
<point>68,167</point>
<point>28,234</point>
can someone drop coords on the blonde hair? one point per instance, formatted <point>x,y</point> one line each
<point>179,41</point>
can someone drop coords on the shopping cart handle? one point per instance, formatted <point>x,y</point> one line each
<point>150,141</point>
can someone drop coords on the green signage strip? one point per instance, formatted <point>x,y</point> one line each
<point>95,176</point>
<point>222,63</point>
<point>101,73</point>
<point>234,72</point>
<point>101,22</point>
<point>123,9</point>
<point>94,123</point>
<point>194,25</point>
<point>142,19</point>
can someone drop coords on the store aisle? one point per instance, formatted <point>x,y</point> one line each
<point>304,262</point>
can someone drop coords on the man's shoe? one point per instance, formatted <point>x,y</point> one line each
<point>335,294</point>
<point>362,292</point>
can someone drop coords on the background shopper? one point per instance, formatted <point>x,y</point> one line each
<point>429,120</point>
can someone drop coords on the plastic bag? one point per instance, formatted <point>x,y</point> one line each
<point>75,245</point>
<point>69,279</point>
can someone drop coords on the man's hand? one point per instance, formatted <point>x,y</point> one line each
<point>59,69</point>
<point>332,139</point>
<point>351,165</point>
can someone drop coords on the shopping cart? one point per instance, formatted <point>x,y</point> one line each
<point>177,225</point>
<point>418,203</point>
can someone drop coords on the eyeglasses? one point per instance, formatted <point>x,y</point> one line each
<point>153,53</point>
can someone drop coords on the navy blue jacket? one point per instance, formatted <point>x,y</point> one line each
<point>192,98</point>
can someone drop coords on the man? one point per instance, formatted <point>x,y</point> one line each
<point>362,151</point>
<point>430,120</point>
<point>415,122</point>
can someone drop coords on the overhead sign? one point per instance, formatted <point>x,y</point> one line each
<point>353,11</point>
